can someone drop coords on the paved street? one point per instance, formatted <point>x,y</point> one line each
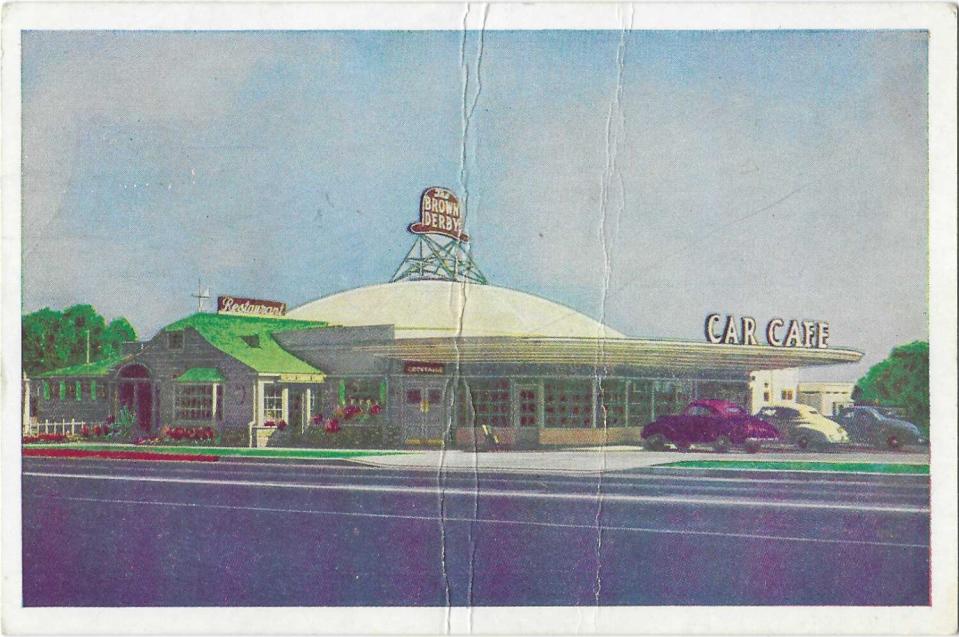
<point>262,533</point>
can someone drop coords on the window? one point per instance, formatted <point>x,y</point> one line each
<point>71,390</point>
<point>414,397</point>
<point>766,396</point>
<point>46,390</point>
<point>671,396</point>
<point>528,406</point>
<point>360,391</point>
<point>612,403</point>
<point>195,402</point>
<point>490,399</point>
<point>252,341</point>
<point>568,403</point>
<point>63,390</point>
<point>174,340</point>
<point>787,394</point>
<point>733,391</point>
<point>273,402</point>
<point>82,388</point>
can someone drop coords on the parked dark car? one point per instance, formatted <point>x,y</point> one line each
<point>879,427</point>
<point>720,423</point>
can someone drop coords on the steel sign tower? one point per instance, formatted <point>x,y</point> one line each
<point>439,252</point>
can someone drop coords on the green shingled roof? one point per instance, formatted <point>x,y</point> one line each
<point>201,375</point>
<point>226,333</point>
<point>94,369</point>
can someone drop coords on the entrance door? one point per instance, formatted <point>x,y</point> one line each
<point>423,410</point>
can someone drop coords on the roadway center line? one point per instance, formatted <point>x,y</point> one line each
<point>433,491</point>
<point>429,518</point>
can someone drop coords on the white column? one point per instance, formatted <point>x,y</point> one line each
<point>307,408</point>
<point>26,402</point>
<point>213,410</point>
<point>260,389</point>
<point>286,404</point>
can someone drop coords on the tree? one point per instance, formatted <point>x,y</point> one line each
<point>53,339</point>
<point>902,380</point>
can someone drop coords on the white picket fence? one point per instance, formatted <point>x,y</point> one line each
<point>52,427</point>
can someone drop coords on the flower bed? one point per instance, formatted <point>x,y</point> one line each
<point>101,433</point>
<point>180,436</point>
<point>44,438</point>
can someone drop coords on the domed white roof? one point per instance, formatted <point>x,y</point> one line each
<point>421,309</point>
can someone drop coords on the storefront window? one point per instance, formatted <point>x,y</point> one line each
<point>83,389</point>
<point>490,401</point>
<point>528,406</point>
<point>195,402</point>
<point>612,403</point>
<point>46,390</point>
<point>640,402</point>
<point>272,402</point>
<point>734,391</point>
<point>671,396</point>
<point>568,403</point>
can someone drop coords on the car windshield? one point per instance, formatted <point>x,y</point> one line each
<point>813,411</point>
<point>735,410</point>
<point>889,412</point>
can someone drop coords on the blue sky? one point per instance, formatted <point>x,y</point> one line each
<point>758,173</point>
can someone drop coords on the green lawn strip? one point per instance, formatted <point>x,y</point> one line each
<point>226,451</point>
<point>774,465</point>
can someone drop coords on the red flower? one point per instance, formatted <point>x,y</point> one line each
<point>85,431</point>
<point>269,423</point>
<point>375,409</point>
<point>97,431</point>
<point>332,425</point>
<point>281,425</point>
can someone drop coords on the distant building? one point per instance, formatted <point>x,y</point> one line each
<point>828,398</point>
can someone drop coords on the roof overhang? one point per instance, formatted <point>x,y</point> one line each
<point>681,356</point>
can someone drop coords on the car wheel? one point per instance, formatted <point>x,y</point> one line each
<point>682,445</point>
<point>802,442</point>
<point>893,441</point>
<point>721,444</point>
<point>656,442</point>
<point>752,446</point>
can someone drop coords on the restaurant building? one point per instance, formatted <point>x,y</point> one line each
<point>429,358</point>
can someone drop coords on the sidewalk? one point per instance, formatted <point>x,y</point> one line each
<point>598,460</point>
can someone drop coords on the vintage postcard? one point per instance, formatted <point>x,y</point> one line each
<point>479,318</point>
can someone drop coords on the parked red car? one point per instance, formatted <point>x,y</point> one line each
<point>720,423</point>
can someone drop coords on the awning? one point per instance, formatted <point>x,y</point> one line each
<point>679,356</point>
<point>302,378</point>
<point>201,375</point>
